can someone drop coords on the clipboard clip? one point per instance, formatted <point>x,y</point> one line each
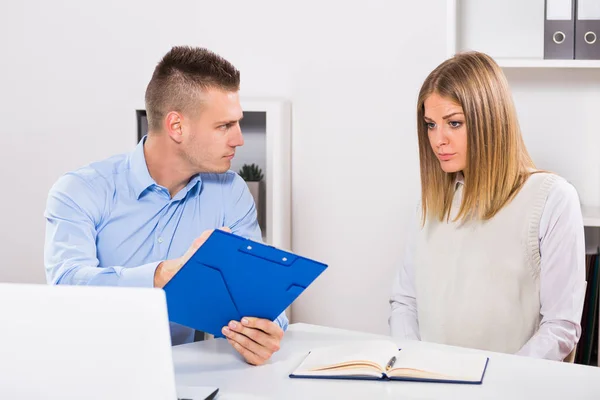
<point>267,252</point>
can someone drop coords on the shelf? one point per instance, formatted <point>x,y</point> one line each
<point>541,63</point>
<point>591,216</point>
<point>276,121</point>
<point>481,25</point>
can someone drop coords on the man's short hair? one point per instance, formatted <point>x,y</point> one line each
<point>179,79</point>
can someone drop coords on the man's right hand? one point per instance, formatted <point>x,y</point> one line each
<point>167,269</point>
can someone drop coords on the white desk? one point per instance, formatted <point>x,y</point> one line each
<point>215,363</point>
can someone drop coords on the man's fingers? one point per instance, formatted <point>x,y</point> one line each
<point>203,238</point>
<point>269,327</point>
<point>196,244</point>
<point>248,344</point>
<point>270,342</point>
<point>249,356</point>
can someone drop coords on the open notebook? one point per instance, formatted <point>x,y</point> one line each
<point>381,360</point>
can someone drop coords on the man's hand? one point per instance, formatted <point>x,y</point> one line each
<point>167,269</point>
<point>255,339</point>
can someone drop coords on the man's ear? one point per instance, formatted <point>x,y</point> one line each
<point>173,126</point>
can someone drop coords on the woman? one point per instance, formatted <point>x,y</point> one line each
<point>498,262</point>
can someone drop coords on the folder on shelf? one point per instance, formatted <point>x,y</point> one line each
<point>587,30</point>
<point>559,29</point>
<point>230,277</point>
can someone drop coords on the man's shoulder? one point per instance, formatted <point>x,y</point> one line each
<point>96,176</point>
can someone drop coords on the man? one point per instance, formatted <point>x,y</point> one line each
<point>128,220</point>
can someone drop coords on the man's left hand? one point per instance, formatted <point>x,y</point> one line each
<point>255,339</point>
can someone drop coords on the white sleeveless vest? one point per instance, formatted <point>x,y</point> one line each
<point>478,283</point>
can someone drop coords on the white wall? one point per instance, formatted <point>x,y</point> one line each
<point>502,28</point>
<point>73,72</point>
<point>558,111</point>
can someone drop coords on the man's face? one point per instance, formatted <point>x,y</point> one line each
<point>211,135</point>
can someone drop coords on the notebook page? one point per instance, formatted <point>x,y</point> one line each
<point>442,363</point>
<point>343,371</point>
<point>377,351</point>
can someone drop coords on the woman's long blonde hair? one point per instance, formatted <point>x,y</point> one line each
<point>497,161</point>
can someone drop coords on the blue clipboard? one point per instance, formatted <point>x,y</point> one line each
<point>230,277</point>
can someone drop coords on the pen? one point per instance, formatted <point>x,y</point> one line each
<point>390,363</point>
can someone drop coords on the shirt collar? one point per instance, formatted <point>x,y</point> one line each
<point>194,184</point>
<point>141,176</point>
<point>459,180</point>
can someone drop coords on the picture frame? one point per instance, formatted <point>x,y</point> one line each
<point>142,124</point>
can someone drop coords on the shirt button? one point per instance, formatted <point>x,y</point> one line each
<point>160,240</point>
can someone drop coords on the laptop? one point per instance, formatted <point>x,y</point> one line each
<point>85,342</point>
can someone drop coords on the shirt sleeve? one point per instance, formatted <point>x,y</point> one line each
<point>73,211</point>
<point>562,279</point>
<point>240,217</point>
<point>403,319</point>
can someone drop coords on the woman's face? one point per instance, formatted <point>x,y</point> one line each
<point>447,132</point>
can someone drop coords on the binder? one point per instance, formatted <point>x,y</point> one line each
<point>230,277</point>
<point>587,30</point>
<point>559,29</point>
